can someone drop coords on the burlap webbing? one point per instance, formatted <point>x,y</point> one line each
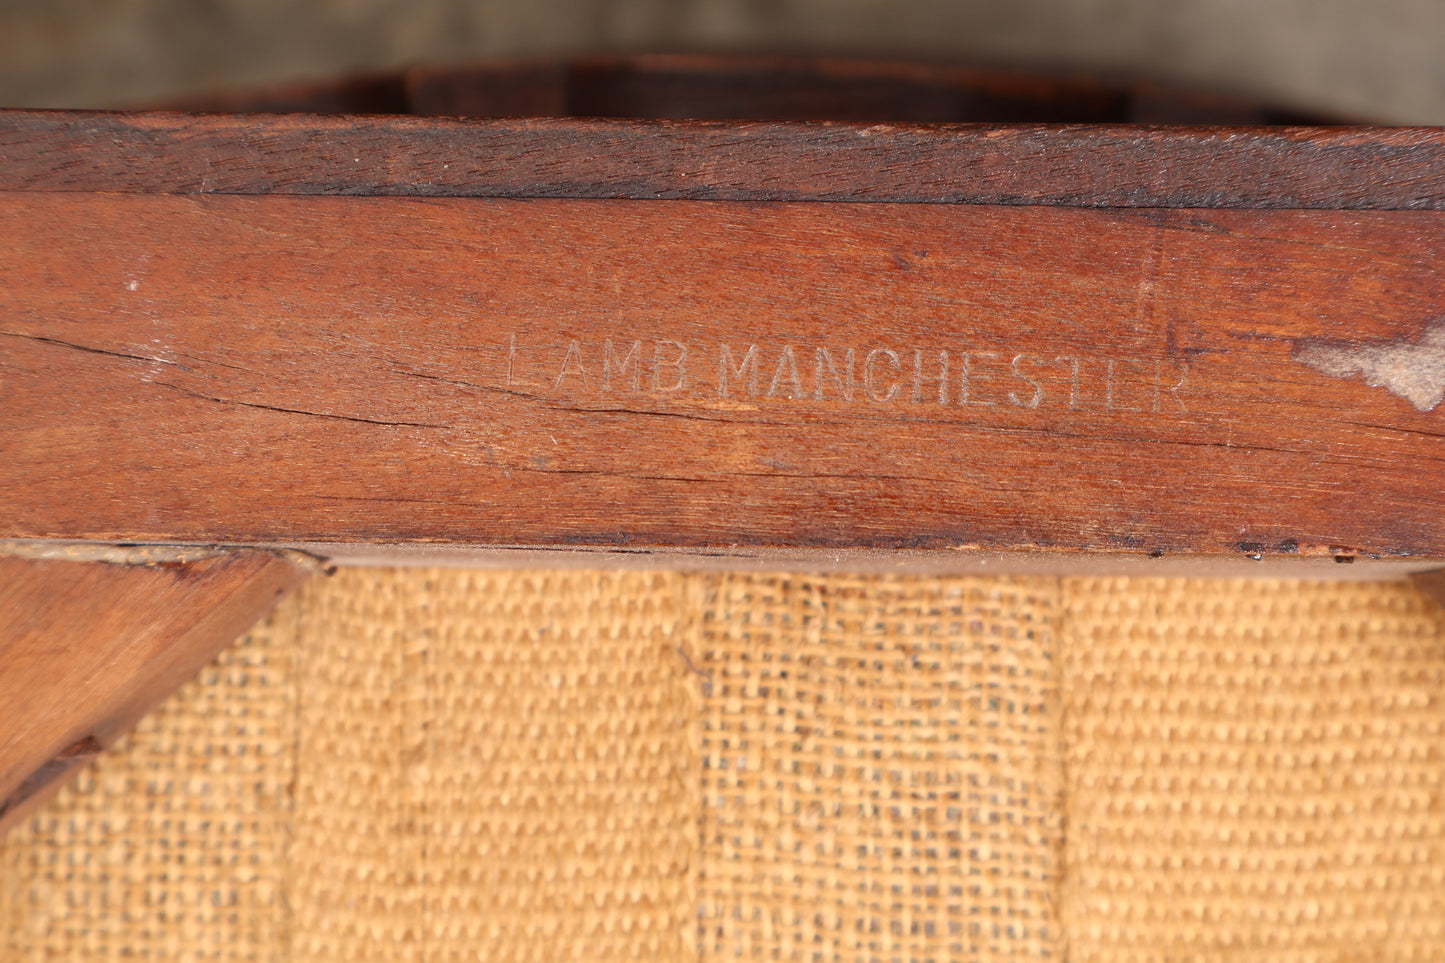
<point>1256,771</point>
<point>553,766</point>
<point>880,770</point>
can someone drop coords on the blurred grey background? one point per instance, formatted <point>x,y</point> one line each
<point>1368,59</point>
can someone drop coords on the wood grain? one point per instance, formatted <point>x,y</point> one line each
<point>1077,166</point>
<point>89,647</point>
<point>709,376</point>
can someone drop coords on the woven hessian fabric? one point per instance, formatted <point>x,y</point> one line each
<point>1256,771</point>
<point>455,765</point>
<point>880,770</point>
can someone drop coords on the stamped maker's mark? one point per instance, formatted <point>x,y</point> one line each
<point>958,376</point>
<point>1414,370</point>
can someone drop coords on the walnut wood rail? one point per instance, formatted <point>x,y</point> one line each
<point>918,346</point>
<point>722,338</point>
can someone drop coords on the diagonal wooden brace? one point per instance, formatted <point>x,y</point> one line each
<point>87,647</point>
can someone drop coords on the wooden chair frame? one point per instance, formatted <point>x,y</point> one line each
<point>234,343</point>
